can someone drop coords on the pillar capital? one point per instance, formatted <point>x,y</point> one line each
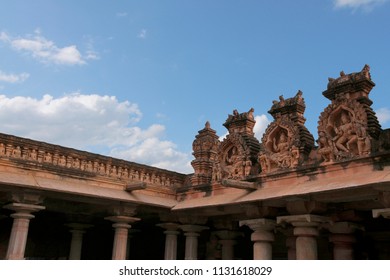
<point>78,226</point>
<point>306,220</point>
<point>122,219</point>
<point>24,208</point>
<point>169,226</point>
<point>259,224</point>
<point>385,213</point>
<point>228,234</point>
<point>193,228</point>
<point>344,228</point>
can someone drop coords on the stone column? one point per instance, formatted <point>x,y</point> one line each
<point>227,240</point>
<point>263,236</point>
<point>291,247</point>
<point>306,232</point>
<point>130,236</point>
<point>191,233</point>
<point>342,237</point>
<point>171,234</point>
<point>19,232</point>
<point>121,226</point>
<point>76,243</point>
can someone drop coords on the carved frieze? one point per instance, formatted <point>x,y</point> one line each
<point>60,159</point>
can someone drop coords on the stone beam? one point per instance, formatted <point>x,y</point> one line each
<point>135,186</point>
<point>239,184</point>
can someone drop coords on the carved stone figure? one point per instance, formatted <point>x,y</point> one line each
<point>348,125</point>
<point>62,161</point>
<point>237,154</point>
<point>325,147</point>
<point>233,166</point>
<point>286,141</point>
<point>48,158</point>
<point>280,151</point>
<point>345,134</point>
<point>17,152</point>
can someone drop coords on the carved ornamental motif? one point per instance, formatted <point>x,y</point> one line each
<point>348,125</point>
<point>237,154</point>
<point>286,141</point>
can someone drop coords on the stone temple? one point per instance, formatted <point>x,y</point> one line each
<point>288,195</point>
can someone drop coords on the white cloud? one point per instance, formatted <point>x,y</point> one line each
<point>47,51</point>
<point>91,122</point>
<point>262,122</point>
<point>355,4</point>
<point>13,78</point>
<point>142,34</point>
<point>383,115</point>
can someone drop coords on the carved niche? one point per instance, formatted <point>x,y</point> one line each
<point>237,154</point>
<point>348,126</point>
<point>286,141</point>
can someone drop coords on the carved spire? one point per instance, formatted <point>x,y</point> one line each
<point>241,123</point>
<point>205,148</point>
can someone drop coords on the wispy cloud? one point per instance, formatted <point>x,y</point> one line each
<point>367,5</point>
<point>121,14</point>
<point>142,34</point>
<point>13,78</point>
<point>383,115</point>
<point>92,122</point>
<point>47,51</point>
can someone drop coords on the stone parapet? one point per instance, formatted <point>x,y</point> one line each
<point>71,162</point>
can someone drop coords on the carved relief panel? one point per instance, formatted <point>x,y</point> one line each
<point>348,126</point>
<point>280,147</point>
<point>286,141</point>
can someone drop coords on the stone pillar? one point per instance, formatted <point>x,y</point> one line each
<point>121,226</point>
<point>263,236</point>
<point>171,234</point>
<point>227,240</point>
<point>131,235</point>
<point>291,247</point>
<point>342,237</point>
<point>76,243</point>
<point>191,233</point>
<point>19,232</point>
<point>306,232</point>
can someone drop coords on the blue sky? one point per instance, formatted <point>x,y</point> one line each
<point>138,79</point>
